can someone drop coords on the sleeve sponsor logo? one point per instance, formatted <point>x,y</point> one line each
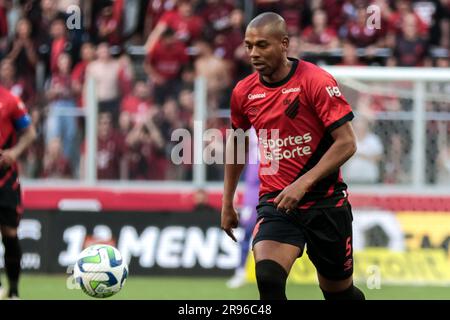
<point>333,91</point>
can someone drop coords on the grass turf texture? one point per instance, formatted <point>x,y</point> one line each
<point>50,287</point>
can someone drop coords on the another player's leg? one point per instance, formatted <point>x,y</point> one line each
<point>273,262</point>
<point>13,255</point>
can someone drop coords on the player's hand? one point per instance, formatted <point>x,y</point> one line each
<point>7,158</point>
<point>288,199</point>
<point>229,221</point>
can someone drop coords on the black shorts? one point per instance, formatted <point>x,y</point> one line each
<point>10,217</point>
<point>327,234</point>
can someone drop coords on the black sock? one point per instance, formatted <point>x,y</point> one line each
<point>271,278</point>
<point>13,255</point>
<point>351,293</point>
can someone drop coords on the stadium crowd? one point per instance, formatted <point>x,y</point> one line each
<point>142,98</point>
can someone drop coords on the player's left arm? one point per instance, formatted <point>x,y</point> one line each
<point>343,147</point>
<point>23,124</point>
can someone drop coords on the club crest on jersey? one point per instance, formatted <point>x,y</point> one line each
<point>333,91</point>
<point>292,110</point>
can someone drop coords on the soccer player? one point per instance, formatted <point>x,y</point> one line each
<point>304,131</point>
<point>13,119</point>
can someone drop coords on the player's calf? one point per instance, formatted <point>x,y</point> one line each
<point>271,278</point>
<point>13,255</point>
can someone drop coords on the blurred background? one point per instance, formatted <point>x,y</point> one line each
<point>108,82</point>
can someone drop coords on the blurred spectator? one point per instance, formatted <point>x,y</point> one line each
<point>187,106</point>
<point>23,52</point>
<point>79,71</point>
<point>105,72</point>
<point>295,13</point>
<point>55,45</point>
<point>110,149</point>
<point>155,10</point>
<point>42,17</point>
<point>217,15</point>
<point>109,27</point>
<point>360,34</point>
<point>410,50</point>
<point>186,25</point>
<point>145,154</point>
<point>363,167</point>
<point>319,37</point>
<point>138,103</point>
<point>167,121</point>
<point>188,76</point>
<point>201,202</point>
<point>61,120</point>
<point>333,10</point>
<point>163,65</point>
<point>403,8</point>
<point>228,44</point>
<point>214,69</point>
<point>350,56</point>
<point>126,74</point>
<point>17,86</point>
<point>55,163</point>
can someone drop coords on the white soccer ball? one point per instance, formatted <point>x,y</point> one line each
<point>100,271</point>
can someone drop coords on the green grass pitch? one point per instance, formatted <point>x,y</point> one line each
<point>50,287</point>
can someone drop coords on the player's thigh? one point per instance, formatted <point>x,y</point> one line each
<point>277,237</point>
<point>328,235</point>
<point>283,253</point>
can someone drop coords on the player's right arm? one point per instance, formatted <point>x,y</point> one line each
<point>235,155</point>
<point>233,171</point>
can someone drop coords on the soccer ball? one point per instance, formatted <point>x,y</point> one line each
<point>100,271</point>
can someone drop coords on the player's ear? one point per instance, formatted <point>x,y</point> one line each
<point>285,43</point>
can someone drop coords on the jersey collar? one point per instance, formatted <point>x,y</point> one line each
<point>282,81</point>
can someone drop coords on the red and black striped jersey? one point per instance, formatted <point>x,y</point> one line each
<point>293,119</point>
<point>13,118</point>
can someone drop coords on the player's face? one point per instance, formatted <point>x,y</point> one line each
<point>267,51</point>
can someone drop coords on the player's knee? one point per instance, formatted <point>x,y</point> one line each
<point>271,278</point>
<point>351,293</point>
